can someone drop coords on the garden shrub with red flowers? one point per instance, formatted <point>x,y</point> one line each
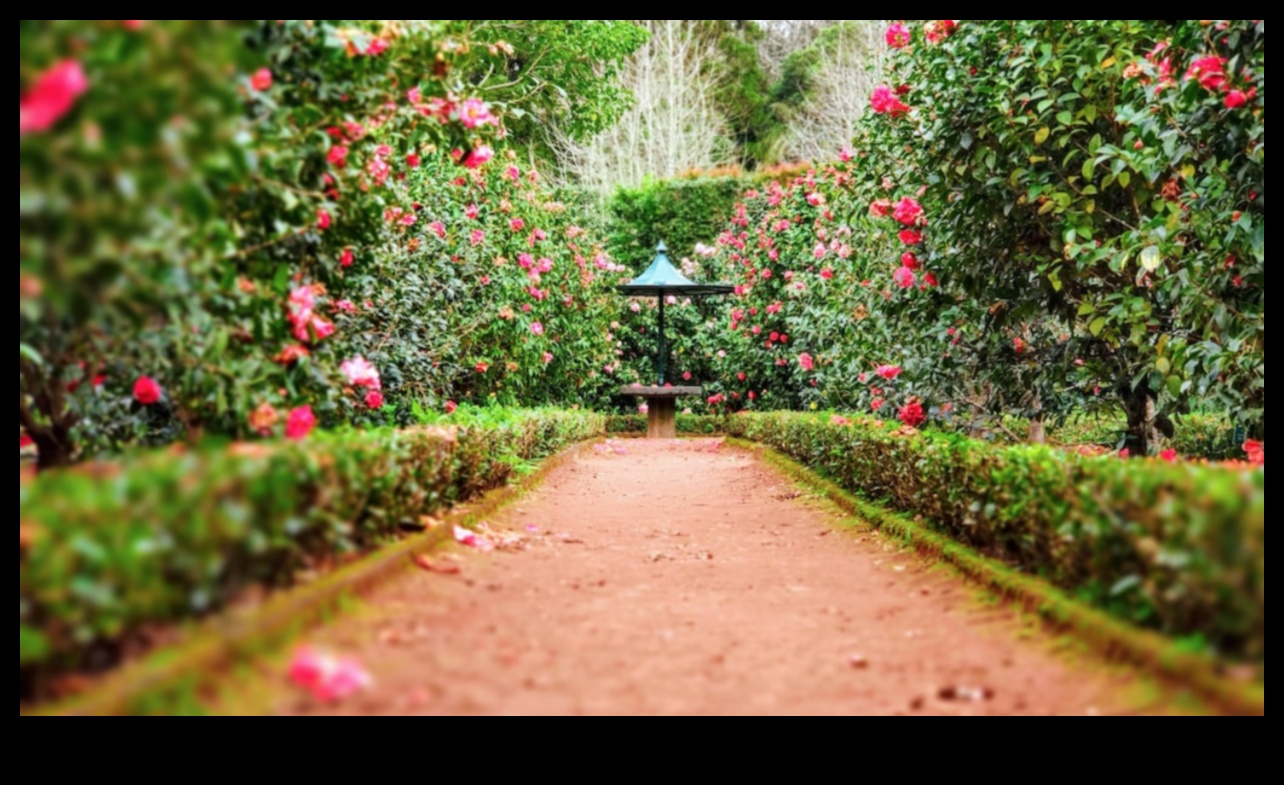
<point>208,204</point>
<point>1037,218</point>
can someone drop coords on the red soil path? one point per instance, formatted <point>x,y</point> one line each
<point>690,578</point>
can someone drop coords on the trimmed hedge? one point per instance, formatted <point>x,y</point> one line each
<point>1177,547</point>
<point>693,424</point>
<point>110,550</point>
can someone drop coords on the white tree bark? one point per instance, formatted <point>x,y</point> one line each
<point>851,66</point>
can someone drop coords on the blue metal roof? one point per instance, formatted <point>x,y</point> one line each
<point>662,278</point>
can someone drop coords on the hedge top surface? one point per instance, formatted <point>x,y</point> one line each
<point>663,392</point>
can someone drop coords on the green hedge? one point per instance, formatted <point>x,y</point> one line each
<point>679,212</point>
<point>692,424</point>
<point>110,550</point>
<point>1177,547</point>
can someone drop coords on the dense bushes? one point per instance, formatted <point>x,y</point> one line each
<point>1037,219</point>
<point>109,550</point>
<point>1178,547</point>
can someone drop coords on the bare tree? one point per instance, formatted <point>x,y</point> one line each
<point>849,64</point>
<point>783,37</point>
<point>674,125</point>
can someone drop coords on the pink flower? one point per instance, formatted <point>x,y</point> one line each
<point>827,274</point>
<point>537,328</point>
<point>888,372</point>
<point>686,377</point>
<point>479,157</point>
<point>818,252</point>
<point>328,679</point>
<point>884,101</point>
<point>345,306</point>
<point>912,414</point>
<point>908,212</point>
<point>476,237</point>
<point>438,228</point>
<point>413,160</point>
<point>911,236</point>
<point>1236,99</point>
<point>807,362</point>
<point>346,258</point>
<point>839,420</point>
<point>474,112</point>
<point>451,407</point>
<point>376,47</point>
<point>415,96</point>
<point>644,409</point>
<point>1168,455</point>
<point>1256,452</point>
<point>938,30</point>
<point>133,25</point>
<point>815,199</point>
<point>338,156</point>
<point>1125,453</point>
<point>360,373</point>
<point>904,278</point>
<point>881,208</point>
<point>51,96</point>
<point>262,80</point>
<point>513,173</point>
<point>300,423</point>
<point>409,219</point>
<point>548,357</point>
<point>517,224</point>
<point>374,399</point>
<point>897,36</point>
<point>147,391</point>
<point>909,260</point>
<point>930,281</point>
<point>877,404</point>
<point>323,220</point>
<point>1209,71</point>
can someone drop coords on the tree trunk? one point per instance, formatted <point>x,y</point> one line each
<point>1038,433</point>
<point>1142,434</point>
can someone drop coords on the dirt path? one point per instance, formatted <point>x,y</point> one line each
<point>689,578</point>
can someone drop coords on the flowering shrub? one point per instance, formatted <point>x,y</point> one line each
<point>209,214</point>
<point>1038,218</point>
<point>179,533</point>
<point>1178,547</point>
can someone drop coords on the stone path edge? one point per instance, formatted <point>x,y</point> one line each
<point>1112,638</point>
<point>164,675</point>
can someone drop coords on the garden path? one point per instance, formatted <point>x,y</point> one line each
<point>690,578</point>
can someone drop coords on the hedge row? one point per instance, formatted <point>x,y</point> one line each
<point>693,424</point>
<point>1177,547</point>
<point>109,551</point>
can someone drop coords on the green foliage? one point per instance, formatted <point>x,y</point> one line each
<point>179,534</point>
<point>1177,547</point>
<point>688,424</point>
<point>681,213</point>
<point>1091,241</point>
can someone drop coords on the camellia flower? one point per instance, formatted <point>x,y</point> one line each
<point>909,260</point>
<point>911,236</point>
<point>324,220</point>
<point>898,36</point>
<point>479,156</point>
<point>912,414</point>
<point>474,112</point>
<point>517,224</point>
<point>1236,99</point>
<point>438,228</point>
<point>1209,71</point>
<point>537,328</point>
<point>374,399</point>
<point>548,357</point>
<point>412,160</point>
<point>51,96</point>
<point>807,362</point>
<point>881,208</point>
<point>908,212</point>
<point>827,274</point>
<point>263,419</point>
<point>338,156</point>
<point>877,404</point>
<point>1169,455</point>
<point>300,423</point>
<point>888,372</point>
<point>346,258</point>
<point>884,101</point>
<point>451,407</point>
<point>938,30</point>
<point>262,80</point>
<point>292,354</point>
<point>328,679</point>
<point>147,391</point>
<point>376,47</point>
<point>1019,345</point>
<point>476,237</point>
<point>644,409</point>
<point>930,281</point>
<point>133,25</point>
<point>904,278</point>
<point>360,373</point>
<point>472,211</point>
<point>1256,452</point>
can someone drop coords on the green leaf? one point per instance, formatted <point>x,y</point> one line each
<point>31,355</point>
<point>1097,326</point>
<point>1042,135</point>
<point>1064,117</point>
<point>1125,179</point>
<point>1089,166</point>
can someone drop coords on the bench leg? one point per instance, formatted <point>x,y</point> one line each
<point>662,419</point>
